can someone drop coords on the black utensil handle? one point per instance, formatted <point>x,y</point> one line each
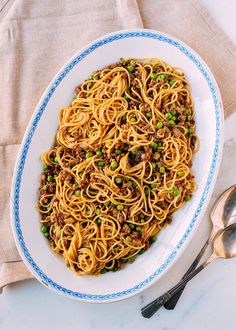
<point>156,304</point>
<point>171,303</point>
<point>153,306</point>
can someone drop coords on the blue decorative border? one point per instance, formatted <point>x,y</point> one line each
<point>32,128</point>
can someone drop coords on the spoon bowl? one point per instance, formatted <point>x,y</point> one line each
<point>229,214</point>
<point>223,212</point>
<point>224,246</point>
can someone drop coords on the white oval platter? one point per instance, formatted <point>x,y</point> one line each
<point>49,268</point>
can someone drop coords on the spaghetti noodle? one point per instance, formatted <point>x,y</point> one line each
<point>120,166</point>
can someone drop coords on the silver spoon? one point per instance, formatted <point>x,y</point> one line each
<point>222,215</point>
<point>224,246</point>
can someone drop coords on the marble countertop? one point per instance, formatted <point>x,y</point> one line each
<point>207,302</point>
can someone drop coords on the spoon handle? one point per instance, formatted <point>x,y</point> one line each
<point>156,304</point>
<point>171,303</point>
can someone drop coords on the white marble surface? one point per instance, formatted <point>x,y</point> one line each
<point>208,302</point>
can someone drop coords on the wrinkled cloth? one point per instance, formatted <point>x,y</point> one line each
<point>38,37</point>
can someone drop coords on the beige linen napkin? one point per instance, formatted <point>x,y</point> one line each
<point>38,37</point>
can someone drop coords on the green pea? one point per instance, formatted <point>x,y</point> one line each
<point>88,154</point>
<point>171,82</point>
<point>78,193</point>
<point>148,114</point>
<point>99,153</point>
<point>114,164</point>
<point>128,239</point>
<point>187,198</point>
<point>90,77</point>
<point>45,187</point>
<point>103,271</point>
<point>173,112</point>
<point>159,125</point>
<point>153,186</point>
<point>118,180</point>
<point>173,118</point>
<point>133,120</point>
<point>187,112</point>
<point>142,220</point>
<point>96,77</point>
<point>120,207</point>
<point>74,185</point>
<point>46,235</point>
<point>168,116</point>
<point>50,178</point>
<point>175,192</point>
<point>131,260</point>
<point>146,191</point>
<point>152,239</point>
<point>130,68</point>
<point>114,269</point>
<point>138,229</point>
<point>131,225</point>
<point>153,145</point>
<point>101,163</point>
<point>99,221</point>
<point>97,211</point>
<point>134,152</point>
<point>153,75</point>
<point>81,174</point>
<point>90,84</point>
<point>172,122</point>
<point>187,131</point>
<point>129,183</point>
<point>45,167</point>
<point>118,152</point>
<point>154,165</point>
<point>180,173</point>
<point>161,76</point>
<point>162,169</point>
<point>141,251</point>
<point>44,229</point>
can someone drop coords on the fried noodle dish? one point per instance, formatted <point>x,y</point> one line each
<point>120,165</point>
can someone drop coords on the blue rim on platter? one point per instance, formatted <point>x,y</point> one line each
<point>16,185</point>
